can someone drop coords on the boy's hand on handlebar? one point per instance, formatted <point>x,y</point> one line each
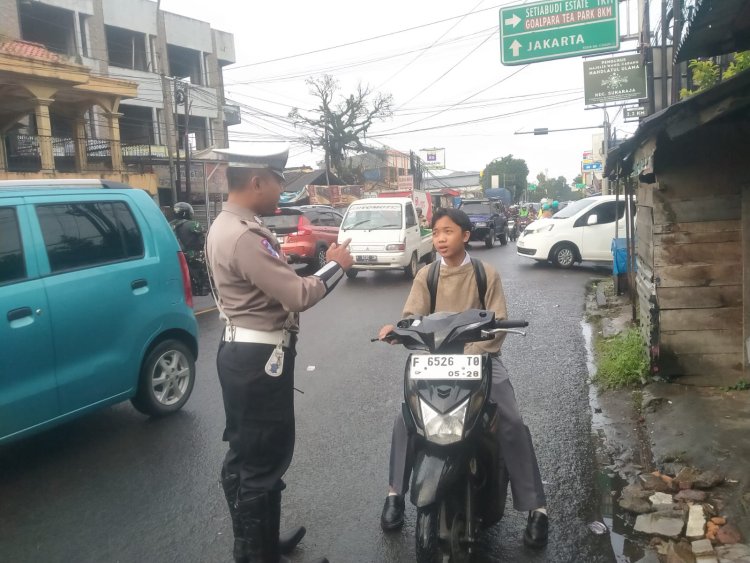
<point>384,332</point>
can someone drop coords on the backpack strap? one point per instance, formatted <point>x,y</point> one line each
<point>481,277</point>
<point>433,275</point>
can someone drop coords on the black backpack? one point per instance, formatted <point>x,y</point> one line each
<point>433,276</point>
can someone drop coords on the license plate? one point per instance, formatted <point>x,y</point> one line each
<point>366,259</point>
<point>446,366</point>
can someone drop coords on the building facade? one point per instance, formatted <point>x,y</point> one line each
<point>126,43</point>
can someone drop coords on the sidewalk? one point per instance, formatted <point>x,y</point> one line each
<point>665,426</point>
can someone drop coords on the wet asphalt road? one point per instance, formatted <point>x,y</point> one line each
<point>115,486</point>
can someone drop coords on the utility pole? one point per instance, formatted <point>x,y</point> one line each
<point>177,95</point>
<point>676,37</point>
<point>187,141</point>
<point>166,92</point>
<point>605,180</point>
<point>664,62</point>
<point>648,54</point>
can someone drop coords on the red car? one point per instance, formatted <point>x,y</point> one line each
<point>305,232</point>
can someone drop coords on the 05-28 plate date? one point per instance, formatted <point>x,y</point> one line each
<point>446,366</point>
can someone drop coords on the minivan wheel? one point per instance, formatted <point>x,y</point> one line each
<point>564,256</point>
<point>352,273</point>
<point>411,269</point>
<point>166,380</point>
<point>320,258</point>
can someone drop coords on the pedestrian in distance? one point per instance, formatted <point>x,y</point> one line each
<point>458,291</point>
<point>259,297</point>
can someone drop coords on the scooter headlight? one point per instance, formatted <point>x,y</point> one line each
<point>443,429</point>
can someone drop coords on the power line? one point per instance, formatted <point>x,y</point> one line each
<point>423,51</point>
<point>490,36</point>
<point>390,34</point>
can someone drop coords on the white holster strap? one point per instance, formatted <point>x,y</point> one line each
<point>239,334</point>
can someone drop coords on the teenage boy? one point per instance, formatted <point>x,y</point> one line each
<point>458,291</point>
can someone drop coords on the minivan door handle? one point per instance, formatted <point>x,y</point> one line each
<point>138,284</point>
<point>18,314</point>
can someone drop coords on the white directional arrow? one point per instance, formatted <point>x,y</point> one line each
<point>515,47</point>
<point>514,21</point>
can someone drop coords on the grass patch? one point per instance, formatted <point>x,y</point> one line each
<point>741,385</point>
<point>622,361</point>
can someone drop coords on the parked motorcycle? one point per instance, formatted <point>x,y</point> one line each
<point>459,480</point>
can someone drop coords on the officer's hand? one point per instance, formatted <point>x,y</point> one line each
<point>387,329</point>
<point>340,254</point>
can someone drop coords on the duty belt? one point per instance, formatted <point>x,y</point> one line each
<point>248,335</point>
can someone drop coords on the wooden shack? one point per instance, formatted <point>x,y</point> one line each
<point>690,164</point>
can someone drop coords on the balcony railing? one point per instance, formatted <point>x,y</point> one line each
<point>23,153</point>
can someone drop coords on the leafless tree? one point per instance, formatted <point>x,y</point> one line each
<point>342,122</point>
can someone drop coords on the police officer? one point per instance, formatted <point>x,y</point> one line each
<point>259,297</point>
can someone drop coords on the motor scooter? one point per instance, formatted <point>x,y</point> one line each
<point>459,478</point>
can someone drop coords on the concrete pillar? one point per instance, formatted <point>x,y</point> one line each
<point>80,142</point>
<point>113,123</point>
<point>44,133</point>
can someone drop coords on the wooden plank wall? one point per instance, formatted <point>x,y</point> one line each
<point>690,241</point>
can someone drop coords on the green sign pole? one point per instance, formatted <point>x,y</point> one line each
<point>557,29</point>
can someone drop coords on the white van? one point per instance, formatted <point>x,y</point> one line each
<point>385,235</point>
<point>582,231</point>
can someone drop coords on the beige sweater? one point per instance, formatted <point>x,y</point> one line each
<point>457,292</point>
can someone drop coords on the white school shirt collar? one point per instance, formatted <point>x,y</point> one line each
<point>467,260</point>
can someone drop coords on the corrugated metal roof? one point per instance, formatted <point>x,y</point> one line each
<point>28,49</point>
<point>717,27</point>
<point>316,177</point>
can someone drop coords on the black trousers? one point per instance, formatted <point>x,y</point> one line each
<point>259,415</point>
<point>515,443</point>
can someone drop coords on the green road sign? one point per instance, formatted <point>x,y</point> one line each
<point>531,187</point>
<point>580,186</point>
<point>557,29</point>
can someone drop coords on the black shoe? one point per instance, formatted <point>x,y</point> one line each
<point>537,528</point>
<point>392,517</point>
<point>230,482</point>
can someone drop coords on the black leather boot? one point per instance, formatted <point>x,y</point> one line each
<point>271,541</point>
<point>537,529</point>
<point>288,540</point>
<point>230,482</point>
<point>254,542</point>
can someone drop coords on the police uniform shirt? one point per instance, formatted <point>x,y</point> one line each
<point>257,288</point>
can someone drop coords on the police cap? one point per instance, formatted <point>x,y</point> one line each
<point>273,161</point>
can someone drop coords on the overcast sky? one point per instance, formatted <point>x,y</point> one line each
<point>548,94</point>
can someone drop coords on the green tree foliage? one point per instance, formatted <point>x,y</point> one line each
<point>342,122</point>
<point>515,170</point>
<point>707,73</point>
<point>553,188</point>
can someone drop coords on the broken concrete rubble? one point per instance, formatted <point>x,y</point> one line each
<point>737,553</point>
<point>696,526</point>
<point>667,523</point>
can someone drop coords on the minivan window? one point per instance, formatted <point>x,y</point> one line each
<point>574,208</point>
<point>12,264</point>
<point>411,217</point>
<point>81,235</point>
<point>367,217</point>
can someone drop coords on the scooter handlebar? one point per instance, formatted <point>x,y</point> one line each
<point>511,324</point>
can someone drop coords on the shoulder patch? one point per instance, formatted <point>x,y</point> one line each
<point>269,247</point>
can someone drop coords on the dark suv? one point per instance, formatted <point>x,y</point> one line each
<point>488,219</point>
<point>305,232</point>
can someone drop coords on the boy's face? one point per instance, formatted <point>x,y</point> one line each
<point>448,238</point>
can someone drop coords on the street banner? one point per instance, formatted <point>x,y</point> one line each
<point>614,79</point>
<point>433,159</point>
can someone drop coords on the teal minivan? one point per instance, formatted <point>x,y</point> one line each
<point>95,304</point>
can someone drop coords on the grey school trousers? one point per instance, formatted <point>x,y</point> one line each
<point>515,443</point>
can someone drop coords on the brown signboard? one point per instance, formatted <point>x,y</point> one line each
<point>614,79</point>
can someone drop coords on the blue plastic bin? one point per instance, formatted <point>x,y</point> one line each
<point>620,256</point>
